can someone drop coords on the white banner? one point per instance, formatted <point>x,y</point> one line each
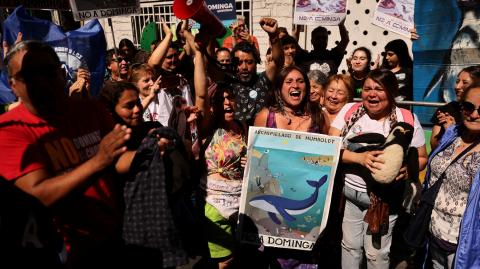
<point>86,10</point>
<point>395,16</point>
<point>319,12</point>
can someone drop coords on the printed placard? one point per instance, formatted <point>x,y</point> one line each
<point>319,12</point>
<point>287,187</point>
<point>395,16</point>
<point>86,10</point>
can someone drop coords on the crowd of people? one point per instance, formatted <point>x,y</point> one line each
<point>150,172</point>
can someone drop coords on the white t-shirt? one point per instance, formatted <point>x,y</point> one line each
<point>366,125</point>
<point>161,106</point>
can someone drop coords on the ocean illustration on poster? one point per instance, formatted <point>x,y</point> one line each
<point>287,194</point>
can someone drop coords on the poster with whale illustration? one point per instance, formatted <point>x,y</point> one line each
<point>287,187</point>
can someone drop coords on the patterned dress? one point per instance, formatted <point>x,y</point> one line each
<point>223,157</point>
<point>452,198</point>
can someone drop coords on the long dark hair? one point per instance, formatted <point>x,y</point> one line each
<point>473,71</point>
<point>399,47</point>
<point>308,108</point>
<point>111,94</point>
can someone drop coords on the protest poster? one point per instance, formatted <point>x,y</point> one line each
<point>225,10</point>
<point>89,9</point>
<point>81,48</point>
<point>395,16</point>
<point>287,187</point>
<point>319,12</point>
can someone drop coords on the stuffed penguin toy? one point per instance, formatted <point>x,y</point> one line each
<point>394,148</point>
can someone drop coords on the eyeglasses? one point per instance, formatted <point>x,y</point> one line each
<point>469,108</point>
<point>119,59</point>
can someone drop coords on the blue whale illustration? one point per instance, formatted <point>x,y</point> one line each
<point>286,207</point>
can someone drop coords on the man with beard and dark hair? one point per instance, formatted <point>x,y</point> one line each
<point>252,91</point>
<point>59,150</point>
<point>322,59</point>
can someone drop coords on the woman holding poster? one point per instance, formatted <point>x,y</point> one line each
<point>377,113</point>
<point>293,111</point>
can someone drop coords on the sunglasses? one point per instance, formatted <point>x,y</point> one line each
<point>119,59</point>
<point>469,108</point>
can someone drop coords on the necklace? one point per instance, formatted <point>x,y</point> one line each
<point>295,115</point>
<point>286,114</point>
<point>357,78</point>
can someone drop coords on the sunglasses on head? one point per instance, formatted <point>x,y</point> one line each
<point>469,108</point>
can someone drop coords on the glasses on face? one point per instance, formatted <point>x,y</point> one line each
<point>119,59</point>
<point>469,108</point>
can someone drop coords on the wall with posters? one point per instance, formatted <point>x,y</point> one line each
<point>358,22</point>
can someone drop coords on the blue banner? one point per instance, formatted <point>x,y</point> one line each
<point>223,9</point>
<point>84,47</point>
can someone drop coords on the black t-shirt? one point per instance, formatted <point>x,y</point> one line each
<point>357,87</point>
<point>404,78</point>
<point>252,97</point>
<point>327,61</point>
<point>28,237</point>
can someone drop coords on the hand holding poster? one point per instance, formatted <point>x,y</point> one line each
<point>287,187</point>
<point>395,16</point>
<point>319,12</point>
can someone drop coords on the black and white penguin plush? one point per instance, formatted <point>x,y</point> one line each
<point>394,148</point>
<point>396,153</point>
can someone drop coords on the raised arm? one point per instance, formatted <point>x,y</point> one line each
<point>344,38</point>
<point>270,26</point>
<point>161,50</point>
<point>202,101</point>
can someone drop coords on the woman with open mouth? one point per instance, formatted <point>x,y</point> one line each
<point>224,144</point>
<point>377,113</point>
<point>293,111</point>
<point>338,92</point>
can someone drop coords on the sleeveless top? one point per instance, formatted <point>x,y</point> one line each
<point>223,157</point>
<point>272,123</point>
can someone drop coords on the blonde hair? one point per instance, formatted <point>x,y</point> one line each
<point>347,81</point>
<point>136,71</point>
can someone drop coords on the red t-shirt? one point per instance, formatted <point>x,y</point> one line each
<point>29,143</point>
